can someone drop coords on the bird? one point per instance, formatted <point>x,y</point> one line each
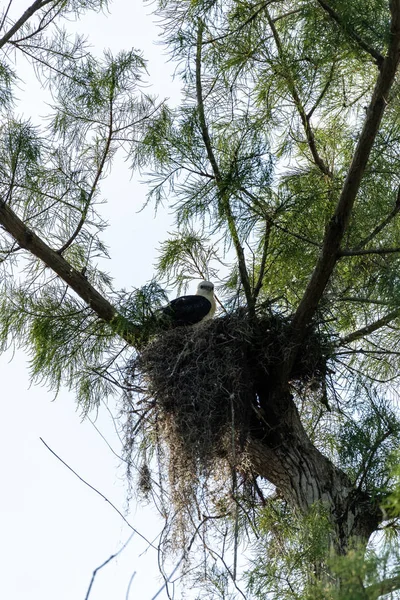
<point>191,309</point>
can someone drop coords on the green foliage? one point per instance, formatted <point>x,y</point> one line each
<point>368,440</point>
<point>68,344</point>
<point>252,165</point>
<point>187,256</point>
<point>355,571</point>
<point>290,553</point>
<point>50,175</point>
<point>7,79</point>
<point>294,560</point>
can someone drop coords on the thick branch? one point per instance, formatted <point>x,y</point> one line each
<point>368,329</point>
<point>23,19</point>
<point>346,252</point>
<point>338,224</point>
<point>286,457</point>
<point>28,240</point>
<point>332,13</point>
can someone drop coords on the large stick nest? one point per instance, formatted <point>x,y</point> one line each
<point>203,384</point>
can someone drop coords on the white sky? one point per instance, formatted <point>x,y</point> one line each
<point>55,530</point>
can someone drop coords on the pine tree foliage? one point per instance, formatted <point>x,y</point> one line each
<point>50,175</point>
<point>281,167</point>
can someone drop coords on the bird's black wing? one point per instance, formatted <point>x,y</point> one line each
<point>187,310</point>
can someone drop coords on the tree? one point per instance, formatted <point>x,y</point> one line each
<point>281,166</point>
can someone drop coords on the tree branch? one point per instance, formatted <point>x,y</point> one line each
<point>338,224</point>
<point>382,225</point>
<point>109,559</point>
<point>5,14</point>
<point>362,300</point>
<point>332,13</point>
<point>99,173</point>
<point>267,234</point>
<point>322,93</point>
<point>305,119</point>
<point>28,240</point>
<point>22,20</point>
<point>239,28</point>
<point>386,586</point>
<point>346,252</point>
<point>298,236</point>
<point>364,470</point>
<point>360,333</point>
<point>244,276</point>
<point>99,493</point>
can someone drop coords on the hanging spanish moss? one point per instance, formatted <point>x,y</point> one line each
<point>199,404</point>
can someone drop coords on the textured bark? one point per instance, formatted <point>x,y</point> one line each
<point>282,453</point>
<point>280,449</point>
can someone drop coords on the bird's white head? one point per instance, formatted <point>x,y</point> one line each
<point>205,288</point>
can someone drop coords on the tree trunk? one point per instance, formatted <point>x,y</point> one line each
<point>282,452</point>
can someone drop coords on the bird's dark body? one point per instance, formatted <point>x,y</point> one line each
<point>187,310</point>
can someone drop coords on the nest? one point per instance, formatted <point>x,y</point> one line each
<point>202,390</point>
<point>202,381</point>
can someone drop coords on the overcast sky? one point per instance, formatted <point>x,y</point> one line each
<point>55,530</point>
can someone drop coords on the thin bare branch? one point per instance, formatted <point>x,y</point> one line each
<point>99,493</point>
<point>109,559</point>
<point>128,589</point>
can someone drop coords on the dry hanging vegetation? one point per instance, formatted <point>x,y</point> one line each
<point>200,394</point>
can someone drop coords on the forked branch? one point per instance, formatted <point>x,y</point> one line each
<point>340,219</point>
<point>28,240</point>
<point>24,18</point>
